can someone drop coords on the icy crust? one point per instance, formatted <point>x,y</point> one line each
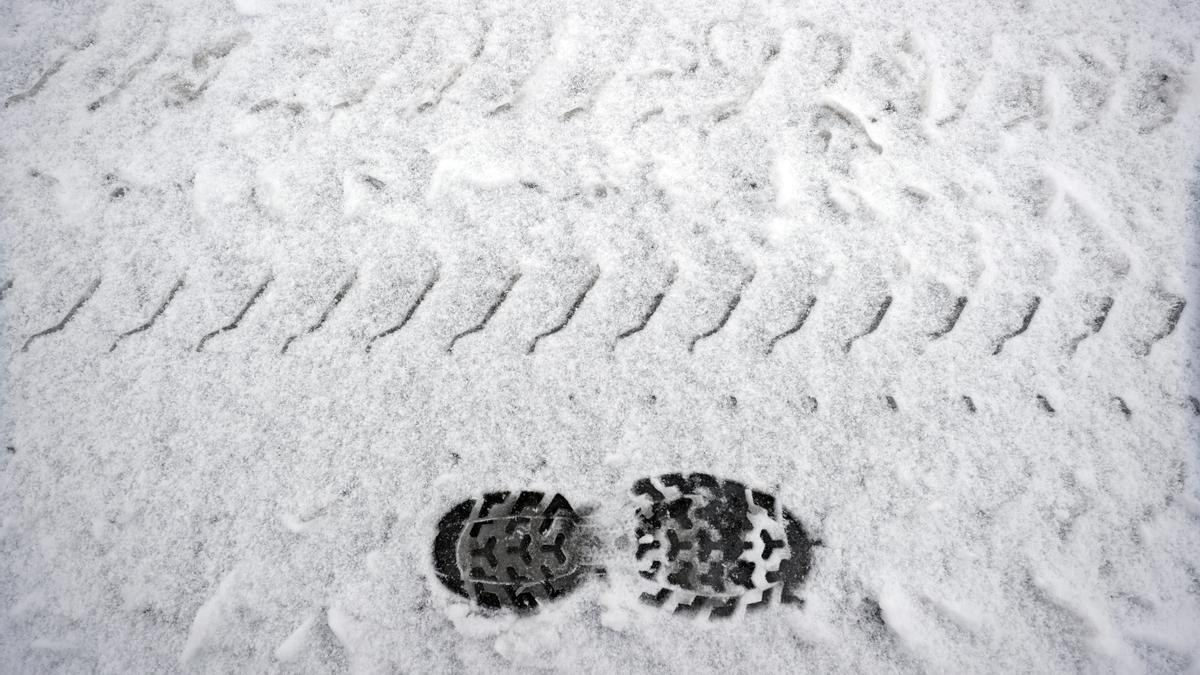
<point>279,282</point>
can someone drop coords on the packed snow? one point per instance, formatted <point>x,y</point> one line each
<point>283,281</point>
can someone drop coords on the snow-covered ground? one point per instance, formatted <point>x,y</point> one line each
<point>926,270</point>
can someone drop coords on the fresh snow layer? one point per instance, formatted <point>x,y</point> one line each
<point>282,281</point>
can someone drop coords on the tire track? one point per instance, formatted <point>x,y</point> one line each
<point>1030,310</point>
<point>801,319</point>
<point>1122,407</point>
<point>879,314</point>
<point>1103,308</point>
<point>150,322</point>
<point>62,323</point>
<point>37,85</point>
<point>1174,312</point>
<point>131,74</point>
<point>262,288</point>
<point>960,304</point>
<point>570,312</point>
<point>433,279</point>
<point>729,309</point>
<point>655,302</point>
<point>337,299</point>
<point>495,307</point>
<point>1044,403</point>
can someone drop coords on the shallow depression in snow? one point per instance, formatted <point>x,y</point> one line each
<point>283,282</point>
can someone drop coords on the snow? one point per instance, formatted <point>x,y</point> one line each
<point>927,272</point>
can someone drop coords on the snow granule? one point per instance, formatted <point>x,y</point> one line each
<point>282,282</point>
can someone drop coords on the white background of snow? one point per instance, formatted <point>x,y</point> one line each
<point>241,510</point>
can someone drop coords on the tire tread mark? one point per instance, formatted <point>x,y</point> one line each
<point>655,302</point>
<point>337,299</point>
<point>36,86</point>
<point>1044,403</point>
<point>1174,312</point>
<point>960,304</point>
<point>62,323</point>
<point>154,317</point>
<point>1122,407</point>
<point>237,319</point>
<point>1030,310</point>
<point>729,309</point>
<point>570,312</point>
<point>801,319</point>
<point>875,322</point>
<point>434,277</point>
<point>134,70</point>
<point>491,311</point>
<point>1094,326</point>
